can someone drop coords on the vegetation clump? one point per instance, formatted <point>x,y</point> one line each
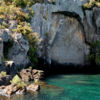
<point>91,4</point>
<point>17,80</point>
<point>33,39</point>
<point>3,74</point>
<point>94,55</point>
<point>22,3</point>
<point>12,10</point>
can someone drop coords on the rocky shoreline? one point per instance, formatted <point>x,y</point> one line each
<point>20,83</point>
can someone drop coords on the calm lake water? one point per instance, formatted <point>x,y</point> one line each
<point>66,87</point>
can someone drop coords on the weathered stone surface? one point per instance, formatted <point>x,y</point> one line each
<point>8,90</point>
<point>69,44</point>
<point>33,87</point>
<point>5,80</point>
<point>12,24</point>
<point>18,52</point>
<point>10,67</point>
<point>29,74</point>
<point>91,25</point>
<point>21,91</point>
<point>5,34</point>
<point>26,75</point>
<point>63,37</point>
<point>37,74</point>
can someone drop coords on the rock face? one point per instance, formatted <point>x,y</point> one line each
<point>10,90</point>
<point>33,87</point>
<point>62,32</point>
<point>5,80</point>
<point>69,44</point>
<point>66,31</point>
<point>14,89</point>
<point>14,47</point>
<point>18,52</point>
<point>29,75</point>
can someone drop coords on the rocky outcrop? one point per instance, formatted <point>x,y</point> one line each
<point>33,87</point>
<point>10,90</point>
<point>15,85</point>
<point>29,75</point>
<point>18,52</point>
<point>13,46</point>
<point>5,80</point>
<point>92,24</point>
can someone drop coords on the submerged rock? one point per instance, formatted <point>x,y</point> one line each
<point>33,87</point>
<point>21,91</point>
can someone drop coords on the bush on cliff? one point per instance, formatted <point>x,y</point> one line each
<point>11,10</point>
<point>33,39</point>
<point>91,4</point>
<point>21,3</point>
<point>94,56</point>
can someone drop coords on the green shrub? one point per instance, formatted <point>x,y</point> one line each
<point>91,4</point>
<point>17,80</point>
<point>22,3</point>
<point>3,74</point>
<point>10,9</point>
<point>21,85</point>
<point>33,39</point>
<point>94,55</point>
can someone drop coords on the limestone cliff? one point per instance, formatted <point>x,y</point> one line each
<point>65,28</point>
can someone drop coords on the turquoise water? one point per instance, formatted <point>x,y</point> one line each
<point>66,87</point>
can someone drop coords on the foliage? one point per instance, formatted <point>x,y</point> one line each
<point>94,55</point>
<point>22,3</point>
<point>21,85</point>
<point>23,28</point>
<point>11,10</point>
<point>33,39</point>
<point>91,4</point>
<point>3,74</point>
<point>17,80</point>
<point>36,81</point>
<point>3,25</point>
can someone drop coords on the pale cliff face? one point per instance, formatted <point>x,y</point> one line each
<point>66,30</point>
